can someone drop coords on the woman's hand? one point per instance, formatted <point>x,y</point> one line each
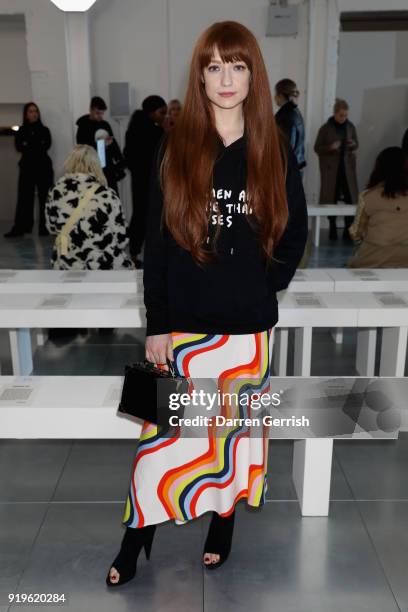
<point>158,348</point>
<point>335,146</point>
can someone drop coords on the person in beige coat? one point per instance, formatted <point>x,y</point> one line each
<point>335,145</point>
<point>381,223</point>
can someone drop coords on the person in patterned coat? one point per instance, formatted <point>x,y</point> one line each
<point>99,239</point>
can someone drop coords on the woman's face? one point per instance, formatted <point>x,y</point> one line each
<point>279,99</point>
<point>341,116</point>
<point>226,84</point>
<point>32,114</point>
<point>174,110</point>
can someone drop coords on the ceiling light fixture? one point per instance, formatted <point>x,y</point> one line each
<point>73,6</point>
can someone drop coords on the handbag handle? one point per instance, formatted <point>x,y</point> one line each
<point>62,239</point>
<point>169,363</point>
<point>171,367</point>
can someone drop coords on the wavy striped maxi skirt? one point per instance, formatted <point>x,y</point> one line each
<point>180,477</point>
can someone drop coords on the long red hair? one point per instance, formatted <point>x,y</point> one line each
<point>192,147</point>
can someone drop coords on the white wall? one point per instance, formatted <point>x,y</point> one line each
<point>47,62</point>
<point>14,71</point>
<point>149,42</point>
<point>372,5</point>
<point>373,77</point>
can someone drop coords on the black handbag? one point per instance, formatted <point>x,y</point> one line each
<point>146,392</point>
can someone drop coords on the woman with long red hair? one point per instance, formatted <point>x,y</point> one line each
<point>227,226</point>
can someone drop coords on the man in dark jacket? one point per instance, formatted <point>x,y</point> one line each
<point>88,125</point>
<point>289,118</point>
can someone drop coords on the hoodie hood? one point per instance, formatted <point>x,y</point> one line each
<point>240,143</point>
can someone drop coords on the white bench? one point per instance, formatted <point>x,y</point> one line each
<point>342,310</point>
<point>318,280</point>
<point>94,282</point>
<point>301,311</point>
<point>70,281</point>
<point>359,280</point>
<point>360,310</point>
<point>117,281</point>
<point>328,210</point>
<point>364,280</point>
<point>19,313</point>
<point>121,281</point>
<point>83,407</point>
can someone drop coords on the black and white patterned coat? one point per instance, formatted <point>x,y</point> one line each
<point>100,237</point>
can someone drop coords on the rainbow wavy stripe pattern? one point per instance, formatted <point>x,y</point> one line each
<point>180,488</point>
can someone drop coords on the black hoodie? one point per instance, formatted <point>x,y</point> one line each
<point>236,294</point>
<point>87,129</point>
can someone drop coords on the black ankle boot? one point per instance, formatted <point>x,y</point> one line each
<point>219,538</point>
<point>126,561</point>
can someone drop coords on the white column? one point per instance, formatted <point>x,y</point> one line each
<point>78,63</point>
<point>332,56</point>
<point>324,27</point>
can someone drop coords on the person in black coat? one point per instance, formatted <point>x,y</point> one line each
<point>88,126</point>
<point>144,131</point>
<point>32,140</point>
<point>289,118</point>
